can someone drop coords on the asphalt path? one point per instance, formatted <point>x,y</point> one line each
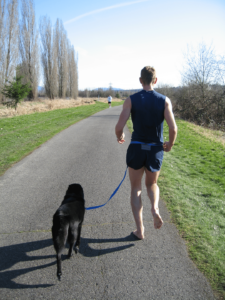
<point>111,264</point>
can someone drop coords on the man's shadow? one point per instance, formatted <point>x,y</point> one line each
<point>14,254</point>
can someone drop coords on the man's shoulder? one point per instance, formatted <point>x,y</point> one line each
<point>136,94</point>
<point>139,92</point>
<point>159,95</point>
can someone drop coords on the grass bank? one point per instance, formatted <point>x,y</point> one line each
<point>43,105</point>
<point>192,183</point>
<point>20,135</point>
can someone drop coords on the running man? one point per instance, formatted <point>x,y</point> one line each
<point>109,101</point>
<point>148,110</point>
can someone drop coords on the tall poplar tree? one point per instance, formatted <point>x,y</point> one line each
<point>28,46</point>
<point>8,40</point>
<point>48,57</point>
<point>72,73</point>
<point>60,42</point>
<point>2,41</point>
<point>11,39</point>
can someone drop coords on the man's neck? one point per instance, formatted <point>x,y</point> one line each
<point>148,87</point>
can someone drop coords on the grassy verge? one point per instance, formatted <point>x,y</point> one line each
<point>192,183</point>
<point>22,134</point>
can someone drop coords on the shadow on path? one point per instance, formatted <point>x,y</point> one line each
<point>87,251</point>
<point>14,254</point>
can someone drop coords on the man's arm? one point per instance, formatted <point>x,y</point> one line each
<point>169,117</point>
<point>124,116</point>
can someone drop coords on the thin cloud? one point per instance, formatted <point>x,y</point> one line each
<point>103,9</point>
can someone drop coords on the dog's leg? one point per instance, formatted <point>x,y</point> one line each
<point>77,245</point>
<point>71,243</point>
<point>59,244</point>
<point>59,265</point>
<point>73,233</point>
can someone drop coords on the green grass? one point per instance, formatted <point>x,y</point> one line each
<point>22,134</point>
<point>192,183</point>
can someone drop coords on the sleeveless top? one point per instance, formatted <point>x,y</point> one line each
<point>147,114</point>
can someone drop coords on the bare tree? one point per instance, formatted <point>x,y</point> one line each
<point>72,72</point>
<point>2,41</point>
<point>8,40</point>
<point>202,98</point>
<point>74,63</point>
<point>60,43</point>
<point>58,60</point>
<point>69,70</point>
<point>201,69</point>
<point>28,46</point>
<point>48,57</point>
<point>11,41</point>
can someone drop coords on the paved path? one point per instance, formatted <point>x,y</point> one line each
<point>110,265</point>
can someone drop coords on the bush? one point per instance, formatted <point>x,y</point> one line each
<point>15,92</point>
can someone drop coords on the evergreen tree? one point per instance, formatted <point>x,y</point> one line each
<point>15,91</point>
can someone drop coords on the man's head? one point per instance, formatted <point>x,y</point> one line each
<point>148,75</point>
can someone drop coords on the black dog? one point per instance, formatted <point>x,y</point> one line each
<point>67,223</point>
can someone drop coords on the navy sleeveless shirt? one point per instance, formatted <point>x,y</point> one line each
<point>147,114</point>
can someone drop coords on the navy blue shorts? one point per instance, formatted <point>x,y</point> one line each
<point>150,159</point>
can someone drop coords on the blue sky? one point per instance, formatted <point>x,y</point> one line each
<point>116,39</point>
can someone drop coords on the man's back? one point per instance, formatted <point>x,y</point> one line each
<point>147,113</point>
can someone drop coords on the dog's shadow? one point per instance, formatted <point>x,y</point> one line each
<point>14,254</point>
<point>88,251</point>
<point>19,253</point>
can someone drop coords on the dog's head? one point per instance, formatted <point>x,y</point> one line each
<point>75,189</point>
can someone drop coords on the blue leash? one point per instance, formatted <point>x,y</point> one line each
<point>116,190</point>
<point>113,194</point>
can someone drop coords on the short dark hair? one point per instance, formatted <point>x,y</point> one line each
<point>148,75</point>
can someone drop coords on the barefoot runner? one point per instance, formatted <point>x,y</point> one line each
<point>148,110</point>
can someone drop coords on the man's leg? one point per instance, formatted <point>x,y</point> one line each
<point>153,193</point>
<point>136,203</point>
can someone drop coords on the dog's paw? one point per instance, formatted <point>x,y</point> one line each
<point>59,275</point>
<point>76,249</point>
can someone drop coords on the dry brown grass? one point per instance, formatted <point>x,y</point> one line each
<point>213,135</point>
<point>41,105</point>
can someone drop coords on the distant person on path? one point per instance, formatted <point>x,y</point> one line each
<point>109,101</point>
<point>148,110</point>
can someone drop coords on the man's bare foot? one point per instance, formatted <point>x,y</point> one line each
<point>157,218</point>
<point>139,235</point>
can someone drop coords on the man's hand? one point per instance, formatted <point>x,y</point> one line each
<point>121,140</point>
<point>167,146</point>
<point>124,116</point>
